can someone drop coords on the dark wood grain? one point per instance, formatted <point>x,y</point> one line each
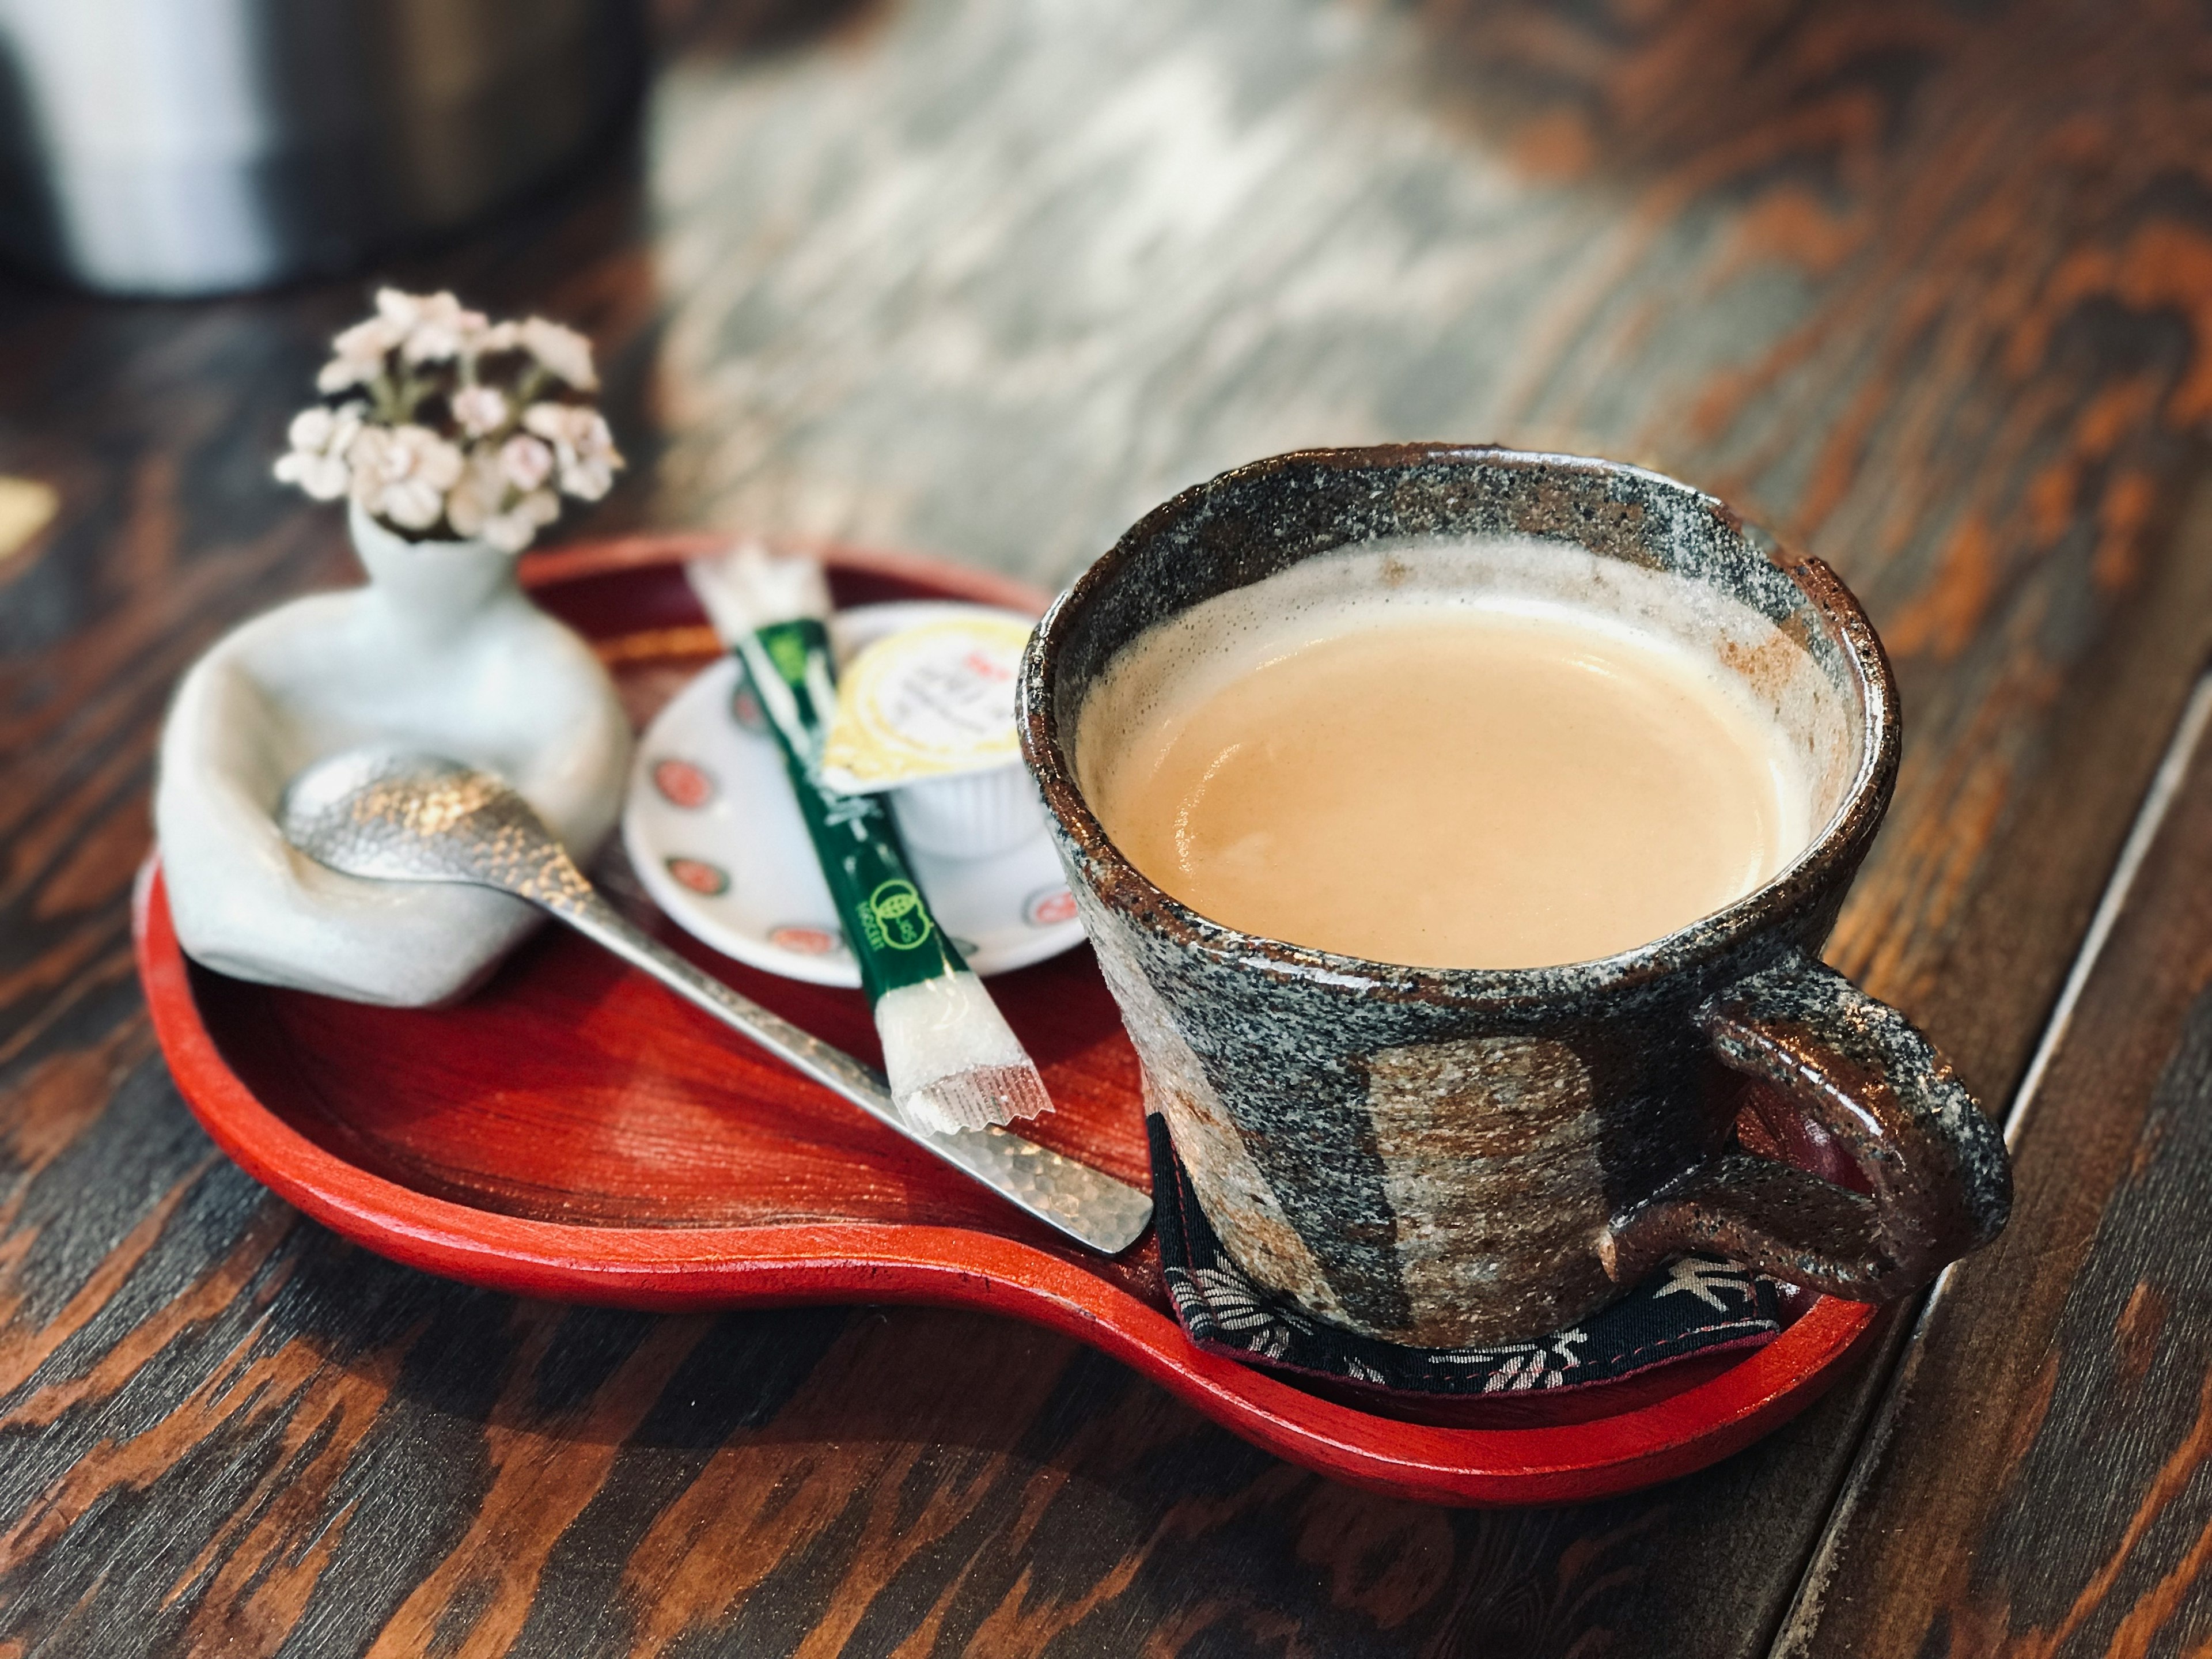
<point>1923,285</point>
<point>2053,1421</point>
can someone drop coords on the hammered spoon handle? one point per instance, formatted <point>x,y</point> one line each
<point>386,816</point>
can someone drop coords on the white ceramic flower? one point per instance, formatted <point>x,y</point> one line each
<point>516,528</point>
<point>481,409</point>
<point>478,494</point>
<point>360,351</point>
<point>316,460</point>
<point>433,328</point>
<point>582,447</point>
<point>526,462</point>
<point>486,504</point>
<point>563,351</point>
<point>402,473</point>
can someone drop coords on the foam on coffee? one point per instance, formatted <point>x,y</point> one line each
<point>1480,753</point>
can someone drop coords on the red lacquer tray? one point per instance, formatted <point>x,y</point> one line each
<point>574,1132</point>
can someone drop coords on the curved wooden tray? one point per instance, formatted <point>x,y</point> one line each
<point>573,1132</point>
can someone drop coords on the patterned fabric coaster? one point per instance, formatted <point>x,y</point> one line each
<point>1699,1305</point>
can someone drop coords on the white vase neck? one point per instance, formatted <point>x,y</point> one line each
<point>432,585</point>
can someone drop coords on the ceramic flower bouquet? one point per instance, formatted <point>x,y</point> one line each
<point>452,438</point>
<point>444,424</point>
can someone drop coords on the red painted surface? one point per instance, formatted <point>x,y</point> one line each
<point>572,1130</point>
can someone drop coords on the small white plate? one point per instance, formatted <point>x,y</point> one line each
<point>716,837</point>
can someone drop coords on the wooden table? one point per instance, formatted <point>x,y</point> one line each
<point>1926,287</point>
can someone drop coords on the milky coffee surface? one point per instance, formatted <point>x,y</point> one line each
<point>1509,786</point>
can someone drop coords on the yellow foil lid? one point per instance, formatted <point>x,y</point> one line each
<point>930,701</point>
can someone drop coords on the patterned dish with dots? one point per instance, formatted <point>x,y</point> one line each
<point>716,835</point>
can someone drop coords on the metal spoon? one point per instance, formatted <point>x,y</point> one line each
<point>395,817</point>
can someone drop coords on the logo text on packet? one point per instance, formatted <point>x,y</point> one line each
<point>788,652</point>
<point>895,917</point>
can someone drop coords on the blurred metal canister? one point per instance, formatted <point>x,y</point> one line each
<point>195,146</point>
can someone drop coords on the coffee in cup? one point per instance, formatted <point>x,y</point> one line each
<point>1450,1042</point>
<point>1437,770</point>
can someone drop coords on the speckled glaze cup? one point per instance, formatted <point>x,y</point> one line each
<point>1464,1157</point>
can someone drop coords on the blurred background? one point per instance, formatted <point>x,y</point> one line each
<point>990,277</point>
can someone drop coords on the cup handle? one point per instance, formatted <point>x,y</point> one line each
<point>1939,1183</point>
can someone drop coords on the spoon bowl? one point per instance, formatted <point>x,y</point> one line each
<point>393,815</point>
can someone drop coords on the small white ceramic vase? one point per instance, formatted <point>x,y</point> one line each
<point>441,652</point>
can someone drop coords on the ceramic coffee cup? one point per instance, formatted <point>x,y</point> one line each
<point>1461,1157</point>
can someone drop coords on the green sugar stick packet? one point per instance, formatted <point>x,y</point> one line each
<point>951,1061</point>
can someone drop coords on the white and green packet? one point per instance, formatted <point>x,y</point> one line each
<point>950,1059</point>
